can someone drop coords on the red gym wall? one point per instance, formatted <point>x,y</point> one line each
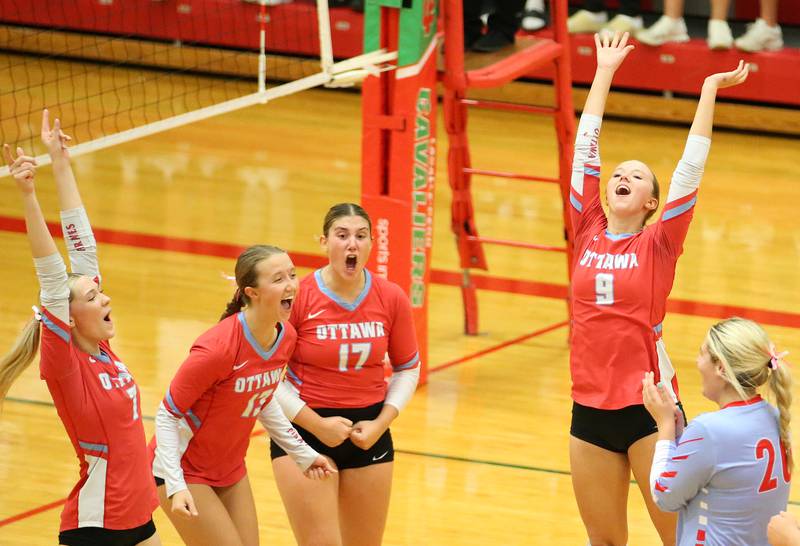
<point>679,68</point>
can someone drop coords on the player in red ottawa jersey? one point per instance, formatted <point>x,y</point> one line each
<point>204,424</point>
<point>335,390</point>
<point>94,394</point>
<point>622,274</point>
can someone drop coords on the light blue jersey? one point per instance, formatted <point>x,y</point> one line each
<point>726,476</point>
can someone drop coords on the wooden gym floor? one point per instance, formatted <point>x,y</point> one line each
<point>482,448</point>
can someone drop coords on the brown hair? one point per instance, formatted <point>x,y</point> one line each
<point>340,211</point>
<point>746,354</point>
<point>246,275</point>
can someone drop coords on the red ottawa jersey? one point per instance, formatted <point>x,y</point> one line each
<point>341,346</point>
<point>98,402</point>
<point>620,285</point>
<point>218,392</point>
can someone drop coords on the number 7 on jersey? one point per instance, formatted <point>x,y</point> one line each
<point>361,349</point>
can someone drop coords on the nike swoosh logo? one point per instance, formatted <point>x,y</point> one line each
<point>241,365</point>
<point>315,315</point>
<point>381,457</point>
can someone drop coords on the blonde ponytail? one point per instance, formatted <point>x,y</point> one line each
<point>749,360</point>
<point>19,357</point>
<point>780,383</point>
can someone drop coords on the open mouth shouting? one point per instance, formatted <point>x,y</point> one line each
<point>623,189</point>
<point>286,303</point>
<point>107,317</point>
<point>350,263</point>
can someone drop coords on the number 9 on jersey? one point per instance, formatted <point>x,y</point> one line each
<point>604,288</point>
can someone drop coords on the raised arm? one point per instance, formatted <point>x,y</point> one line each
<point>611,51</point>
<point>22,169</point>
<point>50,269</point>
<point>585,181</point>
<point>679,208</point>
<point>704,116</point>
<point>56,141</point>
<point>78,235</point>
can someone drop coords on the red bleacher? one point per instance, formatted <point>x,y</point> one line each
<point>679,68</point>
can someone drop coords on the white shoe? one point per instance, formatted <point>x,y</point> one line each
<point>533,17</point>
<point>719,35</point>
<point>666,29</point>
<point>533,20</point>
<point>623,23</point>
<point>760,37</point>
<point>583,21</point>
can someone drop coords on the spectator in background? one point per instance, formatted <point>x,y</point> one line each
<point>533,17</point>
<point>763,35</point>
<point>593,17</point>
<point>503,24</point>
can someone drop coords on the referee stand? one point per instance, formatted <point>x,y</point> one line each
<point>465,71</point>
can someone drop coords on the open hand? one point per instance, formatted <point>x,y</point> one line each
<point>22,168</point>
<point>721,80</point>
<point>54,139</point>
<point>657,400</point>
<point>611,50</point>
<point>320,469</point>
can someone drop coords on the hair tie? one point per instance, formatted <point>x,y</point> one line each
<point>775,357</point>
<point>37,314</point>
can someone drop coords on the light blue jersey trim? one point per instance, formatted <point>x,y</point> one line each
<point>172,405</point>
<point>677,211</point>
<point>590,171</point>
<point>618,236</point>
<point>194,418</point>
<point>657,328</point>
<point>102,357</point>
<point>410,364</point>
<point>263,353</point>
<point>293,376</point>
<point>575,203</point>
<point>56,329</point>
<point>102,448</point>
<point>328,292</point>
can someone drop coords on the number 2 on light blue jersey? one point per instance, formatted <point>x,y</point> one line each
<point>361,349</point>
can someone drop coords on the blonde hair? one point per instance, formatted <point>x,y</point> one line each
<point>748,358</point>
<point>25,348</point>
<point>19,357</point>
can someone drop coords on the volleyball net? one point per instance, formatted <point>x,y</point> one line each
<point>117,71</point>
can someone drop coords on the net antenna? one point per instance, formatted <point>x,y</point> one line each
<point>18,39</point>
